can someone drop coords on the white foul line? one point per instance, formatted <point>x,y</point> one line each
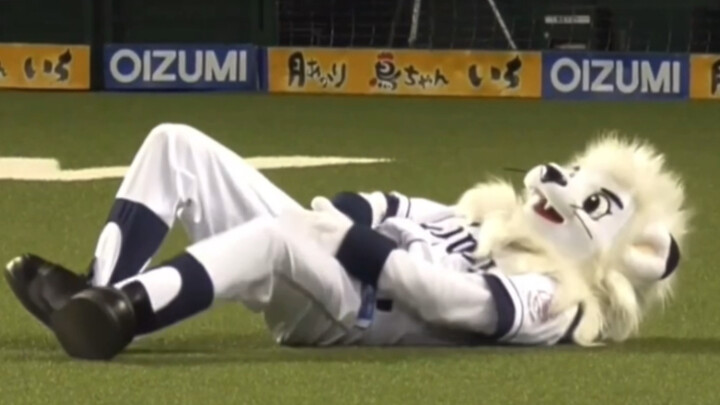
<point>47,169</point>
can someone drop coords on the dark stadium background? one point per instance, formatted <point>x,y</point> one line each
<point>617,25</point>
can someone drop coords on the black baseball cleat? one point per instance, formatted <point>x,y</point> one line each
<point>41,286</point>
<point>95,324</point>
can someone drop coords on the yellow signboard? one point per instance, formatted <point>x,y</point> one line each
<point>405,72</point>
<point>32,66</point>
<point>705,76</point>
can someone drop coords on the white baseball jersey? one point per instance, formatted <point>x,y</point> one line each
<point>433,291</point>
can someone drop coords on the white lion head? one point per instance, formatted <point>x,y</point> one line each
<point>608,225</point>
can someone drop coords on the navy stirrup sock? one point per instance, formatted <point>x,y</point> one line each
<point>141,233</point>
<point>196,295</point>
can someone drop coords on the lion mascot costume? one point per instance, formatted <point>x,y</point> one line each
<point>608,226</point>
<point>582,255</point>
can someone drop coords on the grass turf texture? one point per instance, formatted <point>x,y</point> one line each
<point>441,147</point>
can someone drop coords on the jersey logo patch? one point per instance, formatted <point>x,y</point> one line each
<point>539,305</point>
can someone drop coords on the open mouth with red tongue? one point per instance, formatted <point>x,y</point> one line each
<point>545,210</point>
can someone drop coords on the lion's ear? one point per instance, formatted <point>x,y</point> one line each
<point>654,255</point>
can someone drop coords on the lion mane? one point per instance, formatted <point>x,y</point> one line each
<point>616,287</point>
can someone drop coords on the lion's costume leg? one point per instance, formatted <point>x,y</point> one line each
<point>179,172</point>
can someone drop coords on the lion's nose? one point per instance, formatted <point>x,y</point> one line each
<point>552,174</point>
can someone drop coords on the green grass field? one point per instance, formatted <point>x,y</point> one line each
<point>440,147</point>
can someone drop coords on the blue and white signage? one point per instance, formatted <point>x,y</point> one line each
<point>615,76</point>
<point>181,67</point>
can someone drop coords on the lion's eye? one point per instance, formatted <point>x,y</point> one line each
<point>597,206</point>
